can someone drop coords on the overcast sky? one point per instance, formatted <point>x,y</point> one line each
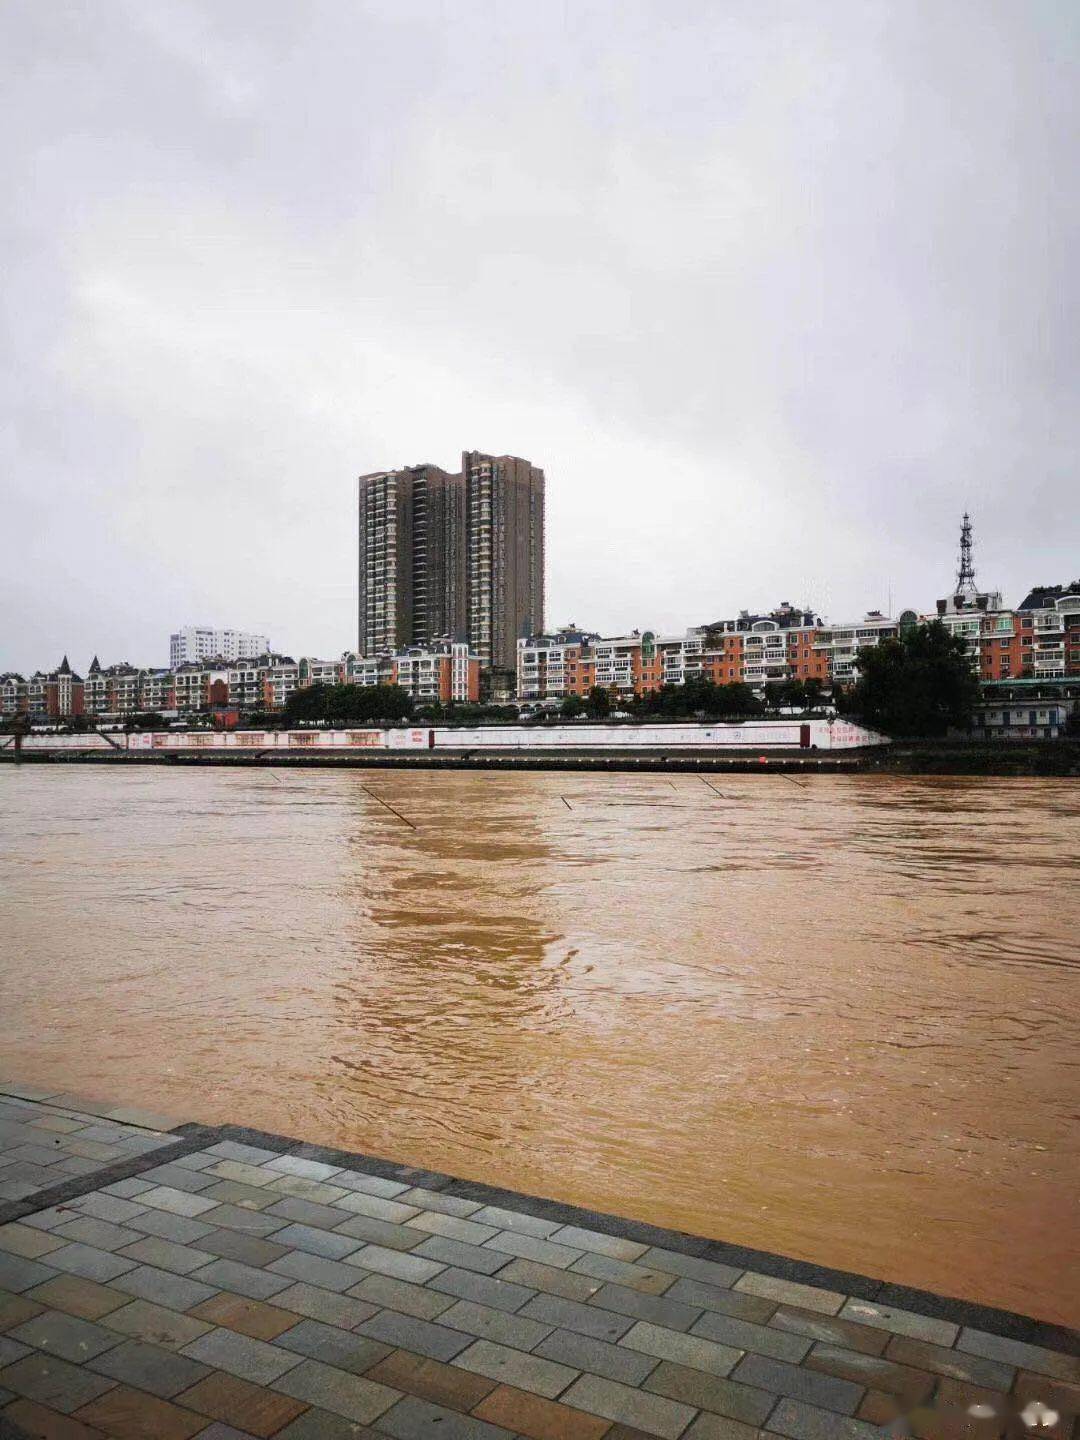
<point>772,289</point>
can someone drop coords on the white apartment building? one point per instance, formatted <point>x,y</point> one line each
<point>195,643</point>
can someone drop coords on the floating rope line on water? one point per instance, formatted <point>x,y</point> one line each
<point>403,818</point>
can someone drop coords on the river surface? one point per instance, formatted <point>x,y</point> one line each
<point>834,1017</point>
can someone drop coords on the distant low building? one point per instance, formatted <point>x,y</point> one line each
<point>193,643</point>
<point>55,694</point>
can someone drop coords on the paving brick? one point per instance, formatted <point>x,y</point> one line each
<point>49,1218</point>
<point>436,1200</point>
<point>354,1396</point>
<point>659,1309</point>
<point>194,1160</point>
<point>381,1232</point>
<point>745,1336</point>
<point>172,1227</point>
<point>872,1370</point>
<point>89,1262</point>
<point>15,1309</point>
<point>314,1270</point>
<point>400,1265</point>
<point>160,1287</point>
<point>53,1382</point>
<point>537,1418</point>
<point>24,1240</point>
<point>534,1276</point>
<point>806,1422</point>
<point>690,1267</point>
<point>17,1274</point>
<point>307,1212</point>
<point>251,1408</point>
<point>218,1431</point>
<point>515,1220</point>
<point>65,1335</point>
<point>530,1247</point>
<point>307,1169</point>
<point>317,1242</point>
<point>589,1320</point>
<point>176,1202</point>
<point>12,1349</point>
<point>452,1227</point>
<point>326,1305</point>
<point>716,1427</point>
<point>598,1357</point>
<point>125,1189</point>
<point>252,1222</point>
<point>316,1190</point>
<point>403,1296</point>
<point>623,1272</point>
<point>704,1296</point>
<point>651,1413</point>
<point>248,1249</point>
<point>316,1424</point>
<point>149,1367</point>
<point>511,1367</point>
<point>461,1255</point>
<point>422,1337</point>
<point>75,1296</point>
<point>830,1330</point>
<point>241,1171</point>
<point>40,1423</point>
<point>133,1415</point>
<point>1059,1395</point>
<point>156,1324</point>
<point>900,1322</point>
<point>369,1184</point>
<point>166,1255</point>
<point>108,1207</point>
<point>102,1234</point>
<point>490,1323</point>
<point>431,1380</point>
<point>333,1346</point>
<point>684,1349</point>
<point>179,1177</point>
<point>1016,1352</point>
<point>599,1243</point>
<point>245,1197</point>
<point>252,1360</point>
<point>250,1317</point>
<point>710,1392</point>
<point>230,1150</point>
<point>241,1279</point>
<point>798,1383</point>
<point>377,1207</point>
<point>413,1419</point>
<point>970,1369</point>
<point>788,1292</point>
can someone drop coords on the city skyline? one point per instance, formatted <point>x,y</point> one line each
<point>774,296</point>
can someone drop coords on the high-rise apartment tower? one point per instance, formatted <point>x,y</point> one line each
<point>504,528</point>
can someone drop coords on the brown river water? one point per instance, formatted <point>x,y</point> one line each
<point>834,1017</point>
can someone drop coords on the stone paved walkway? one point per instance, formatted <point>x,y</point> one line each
<point>254,1286</point>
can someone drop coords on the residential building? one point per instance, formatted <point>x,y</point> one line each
<point>55,694</point>
<point>504,539</point>
<point>193,643</point>
<point>14,696</point>
<point>411,557</point>
<point>835,648</point>
<point>1026,709</point>
<point>550,667</point>
<point>443,672</point>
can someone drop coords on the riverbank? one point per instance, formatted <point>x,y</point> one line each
<point>180,1278</point>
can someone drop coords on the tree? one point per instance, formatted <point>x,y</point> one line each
<point>599,702</point>
<point>571,707</point>
<point>307,702</point>
<point>812,693</point>
<point>919,684</point>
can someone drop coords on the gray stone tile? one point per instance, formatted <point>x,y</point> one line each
<point>236,1245</point>
<point>252,1222</point>
<point>461,1255</point>
<point>572,1315</point>
<point>24,1240</point>
<point>37,1154</point>
<point>160,1287</point>
<point>241,1279</point>
<point>333,1346</point>
<point>511,1367</point>
<point>684,1349</point>
<point>651,1413</point>
<point>531,1247</point>
<point>255,1176</point>
<point>166,1255</point>
<point>797,1383</point>
<point>102,1234</point>
<point>436,1200</point>
<point>384,1292</point>
<point>249,1359</point>
<point>12,1350</point>
<point>399,1264</point>
<point>177,1177</point>
<point>89,1262</point>
<point>377,1207</point>
<point>806,1422</point>
<point>314,1270</point>
<point>787,1292</point>
<point>659,1309</point>
<point>484,1321</point>
<point>347,1311</point>
<point>337,1391</point>
<point>1015,1352</point>
<point>567,1283</point>
<point>53,1382</point>
<point>900,1322</point>
<point>316,1424</point>
<point>64,1335</point>
<point>307,1169</point>
<point>515,1220</point>
<point>755,1308</point>
<point>381,1232</point>
<point>218,1431</point>
<point>149,1367</point>
<point>230,1150</point>
<point>369,1184</point>
<point>415,1419</point>
<point>172,1227</point>
<point>109,1207</point>
<point>422,1337</point>
<point>126,1189</point>
<point>624,1272</point>
<point>308,1212</point>
<point>321,1192</point>
<point>233,1192</point>
<point>598,1357</point>
<point>326,1243</point>
<point>690,1267</point>
<point>452,1227</point>
<point>484,1289</point>
<point>758,1338</point>
<point>599,1243</point>
<point>724,1397</point>
<point>196,1160</point>
<point>156,1324</point>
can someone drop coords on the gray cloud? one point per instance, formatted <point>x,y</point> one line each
<point>772,290</point>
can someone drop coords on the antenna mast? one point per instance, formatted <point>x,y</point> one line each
<point>965,577</point>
